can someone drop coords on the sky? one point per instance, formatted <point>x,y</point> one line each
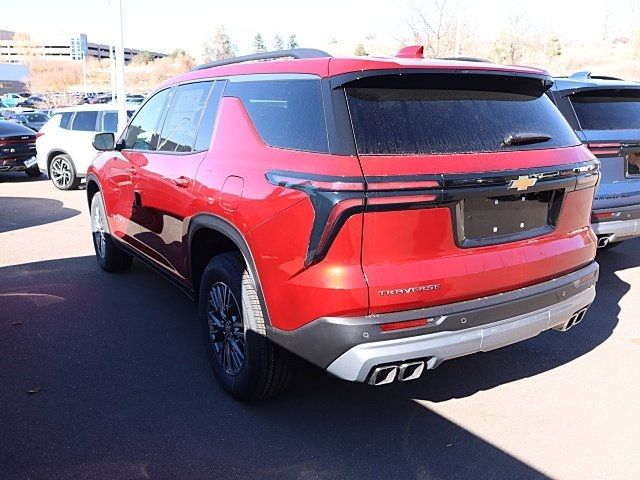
<point>186,24</point>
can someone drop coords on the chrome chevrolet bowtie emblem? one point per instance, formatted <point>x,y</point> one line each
<point>523,182</point>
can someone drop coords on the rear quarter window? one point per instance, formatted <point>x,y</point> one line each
<point>442,115</point>
<point>286,113</point>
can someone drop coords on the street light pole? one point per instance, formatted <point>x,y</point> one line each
<point>119,54</point>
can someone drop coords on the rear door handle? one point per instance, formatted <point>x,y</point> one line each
<point>182,182</point>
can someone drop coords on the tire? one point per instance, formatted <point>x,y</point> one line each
<point>245,362</point>
<point>62,172</point>
<point>109,256</point>
<point>33,172</point>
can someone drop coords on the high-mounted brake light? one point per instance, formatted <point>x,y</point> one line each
<point>389,327</point>
<point>413,51</point>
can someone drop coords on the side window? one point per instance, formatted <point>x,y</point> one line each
<point>85,121</point>
<point>183,117</point>
<point>110,122</point>
<point>286,113</point>
<point>142,133</point>
<point>64,120</point>
<point>205,131</point>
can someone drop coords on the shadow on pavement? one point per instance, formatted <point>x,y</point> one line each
<point>126,392</point>
<point>19,177</point>
<point>20,212</point>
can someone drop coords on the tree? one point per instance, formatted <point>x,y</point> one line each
<point>360,51</point>
<point>553,48</point>
<point>278,42</point>
<point>433,24</point>
<point>258,44</point>
<point>293,41</point>
<point>511,44</point>
<point>219,46</point>
<point>142,58</point>
<point>178,52</point>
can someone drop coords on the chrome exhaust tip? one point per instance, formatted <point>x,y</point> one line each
<point>410,371</point>
<point>575,319</point>
<point>604,241</point>
<point>383,375</point>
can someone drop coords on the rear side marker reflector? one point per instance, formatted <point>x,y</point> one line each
<point>389,327</point>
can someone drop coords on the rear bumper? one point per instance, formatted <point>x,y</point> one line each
<point>17,164</point>
<point>624,223</point>
<point>350,348</point>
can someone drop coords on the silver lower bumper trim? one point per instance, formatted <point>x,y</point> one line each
<point>617,230</point>
<point>356,363</point>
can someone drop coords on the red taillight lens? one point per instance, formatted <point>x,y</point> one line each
<point>388,327</point>
<point>601,149</point>
<point>604,215</point>
<point>39,134</point>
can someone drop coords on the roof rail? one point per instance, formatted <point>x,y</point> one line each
<point>465,59</point>
<point>293,53</point>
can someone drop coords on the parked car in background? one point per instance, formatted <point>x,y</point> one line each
<point>64,142</point>
<point>34,101</point>
<point>32,120</point>
<point>375,216</point>
<point>18,149</point>
<point>605,113</point>
<point>11,99</point>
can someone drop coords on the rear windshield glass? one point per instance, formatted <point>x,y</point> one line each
<point>608,109</point>
<point>440,115</point>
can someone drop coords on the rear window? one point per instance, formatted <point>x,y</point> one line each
<point>608,109</point>
<point>438,114</point>
<point>287,113</point>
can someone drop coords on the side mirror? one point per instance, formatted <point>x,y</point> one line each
<point>104,141</point>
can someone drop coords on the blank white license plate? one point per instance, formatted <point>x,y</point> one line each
<point>30,162</point>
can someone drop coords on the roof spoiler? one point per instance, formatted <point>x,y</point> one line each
<point>586,75</point>
<point>297,53</point>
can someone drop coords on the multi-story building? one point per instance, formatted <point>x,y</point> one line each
<point>18,48</point>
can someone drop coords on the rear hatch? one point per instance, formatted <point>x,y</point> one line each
<point>610,121</point>
<point>475,184</point>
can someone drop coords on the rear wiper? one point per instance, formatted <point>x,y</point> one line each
<point>524,139</point>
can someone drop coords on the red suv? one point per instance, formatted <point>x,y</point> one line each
<point>374,216</point>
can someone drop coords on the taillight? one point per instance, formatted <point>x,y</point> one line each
<point>39,134</point>
<point>389,327</point>
<point>604,215</point>
<point>602,149</point>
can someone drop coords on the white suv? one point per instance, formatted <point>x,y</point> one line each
<point>64,144</point>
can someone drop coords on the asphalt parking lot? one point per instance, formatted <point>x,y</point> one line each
<point>121,387</point>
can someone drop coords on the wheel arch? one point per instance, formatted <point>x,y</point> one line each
<point>55,152</point>
<point>93,187</point>
<point>227,238</point>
